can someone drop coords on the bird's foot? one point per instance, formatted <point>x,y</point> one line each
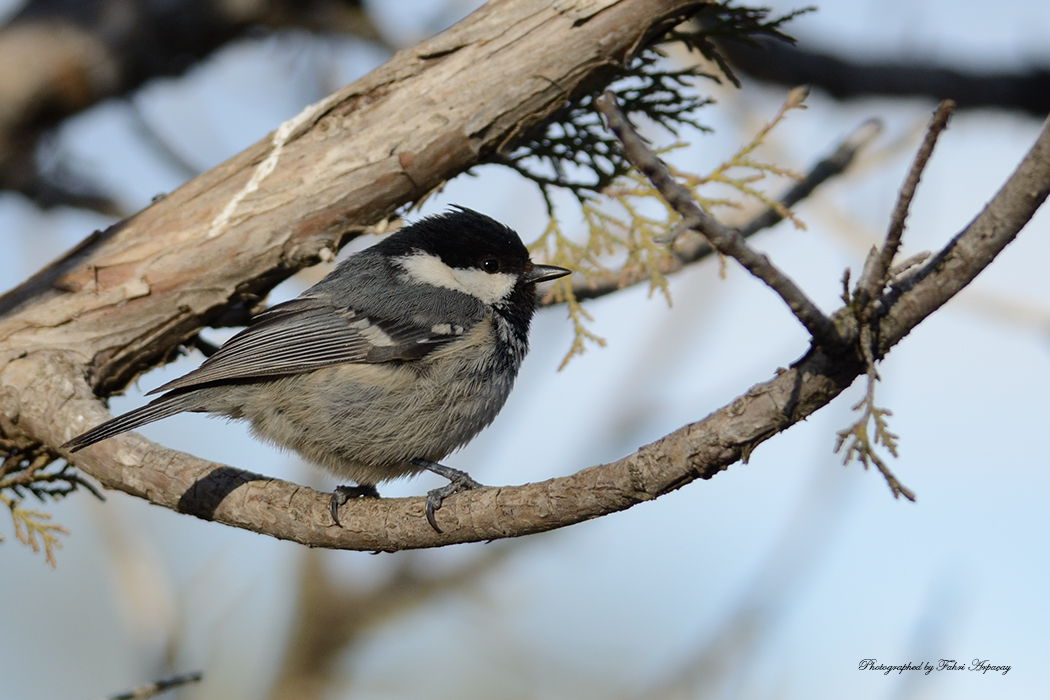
<point>457,481</point>
<point>342,494</point>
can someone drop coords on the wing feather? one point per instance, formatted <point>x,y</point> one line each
<point>308,333</point>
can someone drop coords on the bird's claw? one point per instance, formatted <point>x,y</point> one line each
<point>342,494</point>
<point>457,481</point>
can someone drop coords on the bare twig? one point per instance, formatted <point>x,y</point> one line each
<point>860,442</point>
<point>688,252</point>
<point>154,140</point>
<point>159,686</point>
<point>953,267</point>
<point>725,240</point>
<point>874,278</point>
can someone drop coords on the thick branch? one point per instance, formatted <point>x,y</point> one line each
<point>280,509</point>
<point>120,302</point>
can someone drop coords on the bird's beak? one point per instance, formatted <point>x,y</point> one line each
<point>542,273</point>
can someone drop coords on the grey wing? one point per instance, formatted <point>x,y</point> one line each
<point>308,333</point>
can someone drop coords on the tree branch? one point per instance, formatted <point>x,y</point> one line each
<point>874,278</point>
<point>944,275</point>
<point>722,238</point>
<point>159,686</point>
<point>1026,89</point>
<point>688,253</point>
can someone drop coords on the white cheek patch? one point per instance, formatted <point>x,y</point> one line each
<point>490,288</point>
<point>428,269</point>
<point>423,268</point>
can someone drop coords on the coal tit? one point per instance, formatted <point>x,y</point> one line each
<point>397,357</point>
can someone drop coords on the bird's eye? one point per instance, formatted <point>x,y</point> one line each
<point>490,265</point>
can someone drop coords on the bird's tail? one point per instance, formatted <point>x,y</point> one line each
<point>162,407</point>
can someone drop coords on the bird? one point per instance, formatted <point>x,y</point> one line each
<point>399,356</point>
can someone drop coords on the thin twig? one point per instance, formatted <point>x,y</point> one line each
<point>27,474</point>
<point>874,279</point>
<point>725,240</point>
<point>157,687</point>
<point>689,252</point>
<point>162,146</point>
<point>868,296</point>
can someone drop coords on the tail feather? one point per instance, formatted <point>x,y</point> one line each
<point>167,405</point>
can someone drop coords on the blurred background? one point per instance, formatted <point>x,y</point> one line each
<point>772,580</point>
